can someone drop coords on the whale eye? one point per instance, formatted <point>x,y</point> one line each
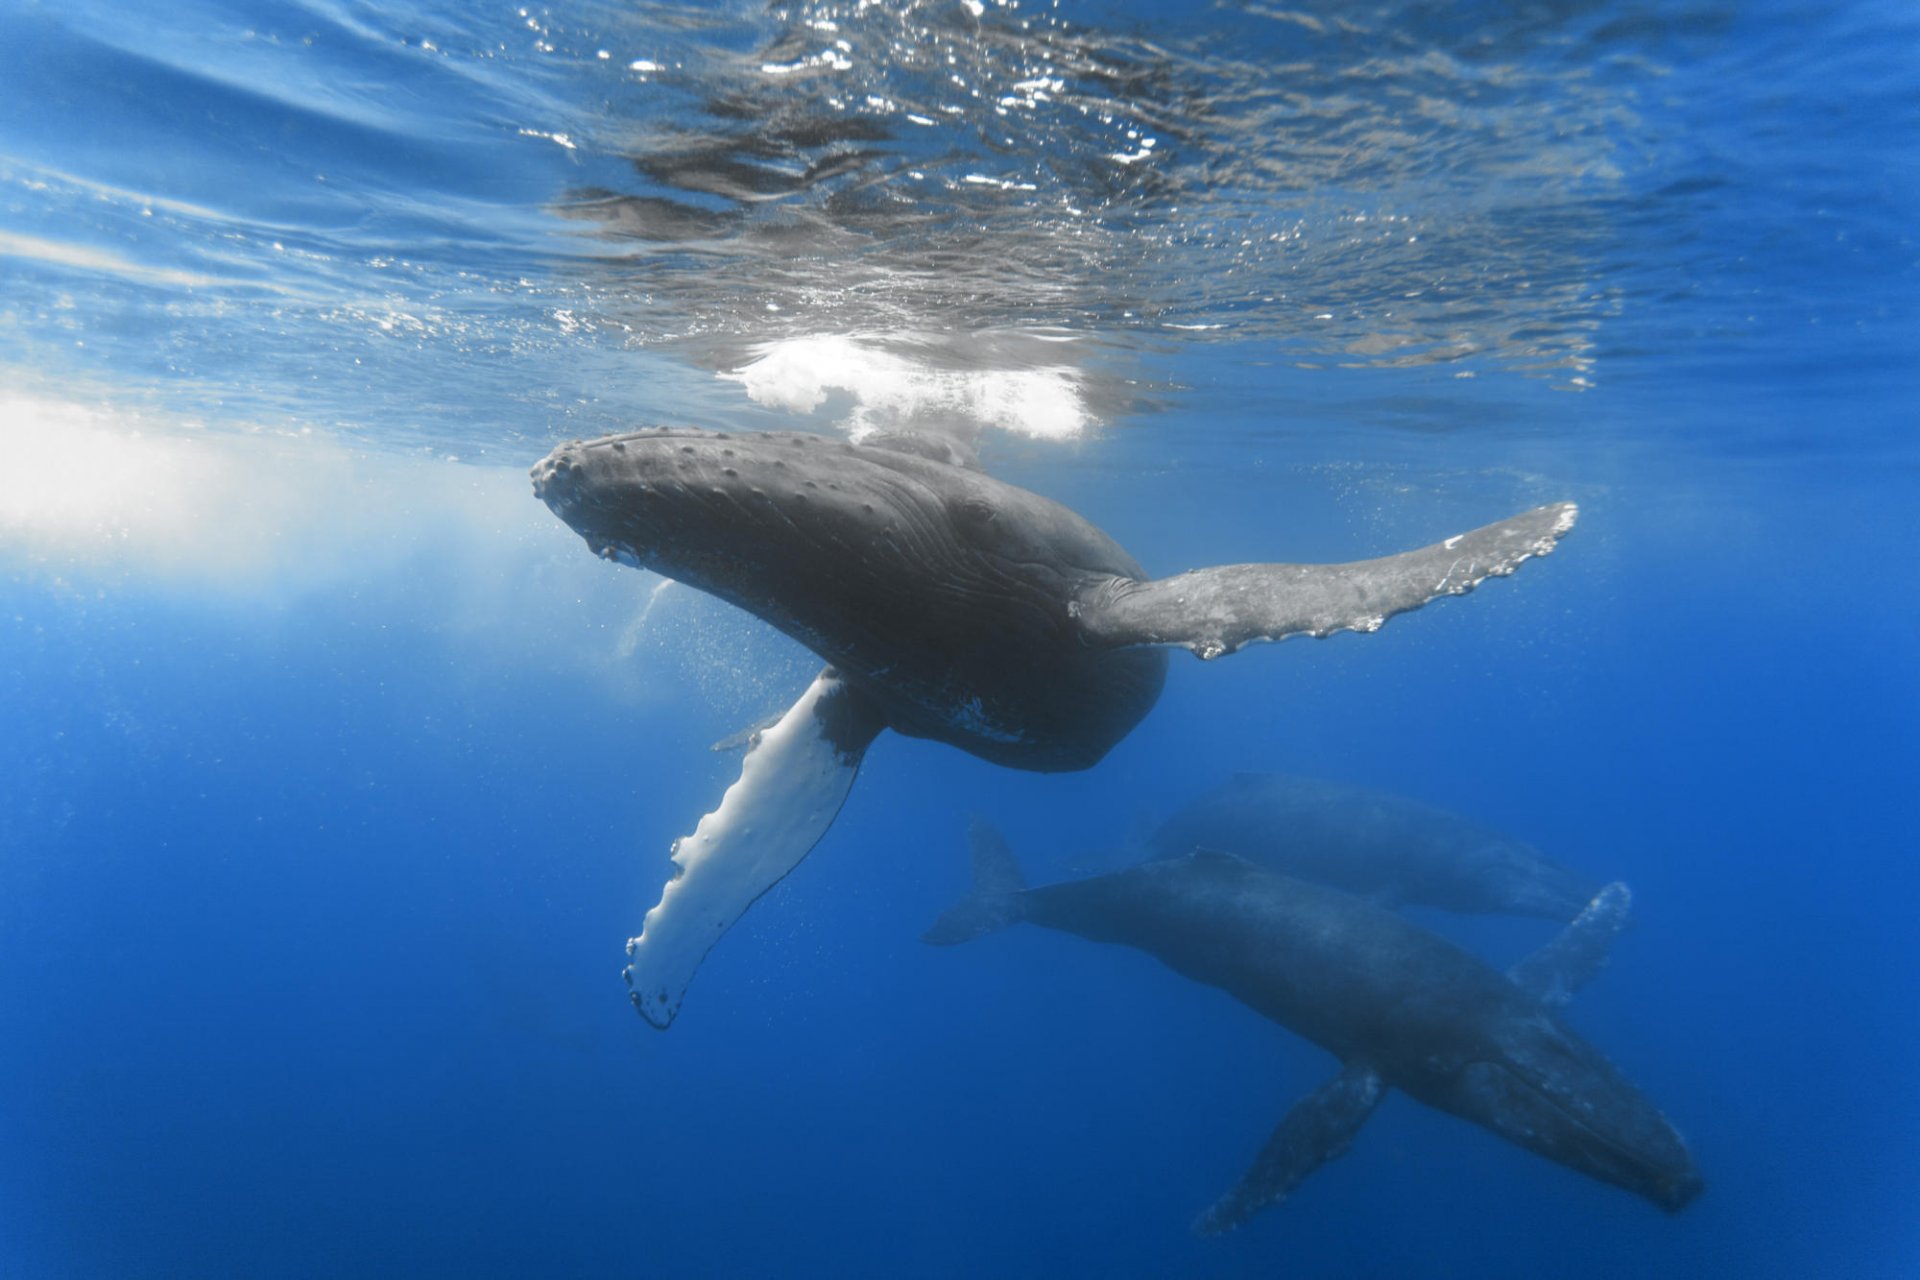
<point>976,511</point>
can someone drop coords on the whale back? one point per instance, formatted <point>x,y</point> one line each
<point>1350,976</point>
<point>1373,843</point>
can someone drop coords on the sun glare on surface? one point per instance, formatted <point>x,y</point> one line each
<point>90,488</point>
<point>72,479</point>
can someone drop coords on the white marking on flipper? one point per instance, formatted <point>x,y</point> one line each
<point>1556,971</point>
<point>792,784</point>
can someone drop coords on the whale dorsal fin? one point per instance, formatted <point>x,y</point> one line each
<point>1556,971</point>
<point>1318,1129</point>
<point>1216,611</point>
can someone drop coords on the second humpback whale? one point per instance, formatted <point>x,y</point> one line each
<point>1400,1006</point>
<point>1382,846</point>
<point>948,605</point>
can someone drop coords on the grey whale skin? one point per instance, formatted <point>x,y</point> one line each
<point>948,605</point>
<point>1400,1007</point>
<point>1382,846</point>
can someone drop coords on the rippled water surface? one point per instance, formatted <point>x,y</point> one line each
<point>336,771</point>
<point>447,227</point>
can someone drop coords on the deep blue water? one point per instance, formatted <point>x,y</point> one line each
<point>335,772</point>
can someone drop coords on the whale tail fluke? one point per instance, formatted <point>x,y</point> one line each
<point>995,901</point>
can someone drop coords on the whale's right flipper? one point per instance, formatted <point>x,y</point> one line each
<point>1216,611</point>
<point>1318,1129</point>
<point>1556,971</point>
<point>792,783</point>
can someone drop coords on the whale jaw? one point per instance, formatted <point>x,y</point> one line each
<point>1554,1095</point>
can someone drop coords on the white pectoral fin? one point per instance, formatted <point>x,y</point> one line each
<point>1218,610</point>
<point>791,786</point>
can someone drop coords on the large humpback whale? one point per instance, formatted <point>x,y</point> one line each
<point>1398,1005</point>
<point>1386,847</point>
<point>948,605</point>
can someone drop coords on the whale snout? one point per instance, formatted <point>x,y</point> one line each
<point>1675,1189</point>
<point>557,477</point>
<point>1574,1108</point>
<point>675,500</point>
<point>783,524</point>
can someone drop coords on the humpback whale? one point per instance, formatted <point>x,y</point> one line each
<point>1399,1006</point>
<point>947,605</point>
<point>1381,846</point>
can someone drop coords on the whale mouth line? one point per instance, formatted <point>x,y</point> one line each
<point>1548,1100</point>
<point>1626,1154</point>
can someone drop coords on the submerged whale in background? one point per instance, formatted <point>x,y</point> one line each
<point>1399,1006</point>
<point>1382,846</point>
<point>948,605</point>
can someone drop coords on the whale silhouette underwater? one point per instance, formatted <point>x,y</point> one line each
<point>1390,849</point>
<point>947,605</point>
<point>1400,1007</point>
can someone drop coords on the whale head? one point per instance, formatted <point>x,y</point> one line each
<point>819,537</point>
<point>734,515</point>
<point>1549,1091</point>
<point>1513,876</point>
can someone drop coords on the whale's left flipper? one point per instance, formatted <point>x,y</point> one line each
<point>1216,611</point>
<point>1556,971</point>
<point>1318,1129</point>
<point>791,786</point>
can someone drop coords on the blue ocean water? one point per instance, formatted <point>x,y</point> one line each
<point>336,772</point>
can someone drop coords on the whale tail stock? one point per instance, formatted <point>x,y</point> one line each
<point>994,901</point>
<point>1219,610</point>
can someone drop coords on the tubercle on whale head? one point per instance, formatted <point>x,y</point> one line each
<point>803,530</point>
<point>575,466</point>
<point>642,496</point>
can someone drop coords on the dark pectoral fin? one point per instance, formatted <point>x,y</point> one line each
<point>1556,971</point>
<point>1216,611</point>
<point>1318,1129</point>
